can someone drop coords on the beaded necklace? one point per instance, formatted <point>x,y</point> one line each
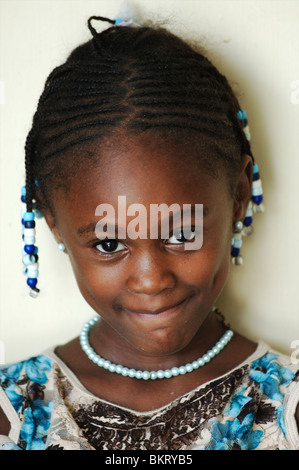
<point>146,375</point>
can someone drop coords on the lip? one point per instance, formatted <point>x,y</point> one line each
<point>161,312</point>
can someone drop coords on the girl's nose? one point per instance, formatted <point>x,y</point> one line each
<point>150,275</point>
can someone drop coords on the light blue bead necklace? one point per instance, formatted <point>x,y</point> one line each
<point>146,375</point>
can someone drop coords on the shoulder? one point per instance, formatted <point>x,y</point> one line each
<point>275,373</point>
<point>277,377</point>
<point>274,370</point>
<point>24,398</point>
<point>35,369</point>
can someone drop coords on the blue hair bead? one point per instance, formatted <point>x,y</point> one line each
<point>28,216</point>
<point>29,249</point>
<point>257,199</point>
<point>31,281</point>
<point>23,198</point>
<point>23,191</point>
<point>29,224</point>
<point>247,221</point>
<point>255,168</point>
<point>235,251</point>
<point>38,213</point>
<point>241,114</point>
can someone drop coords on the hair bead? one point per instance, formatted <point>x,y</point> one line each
<point>29,259</point>
<point>29,256</point>
<point>29,249</point>
<point>29,224</point>
<point>31,282</point>
<point>28,216</point>
<point>32,273</point>
<point>256,202</point>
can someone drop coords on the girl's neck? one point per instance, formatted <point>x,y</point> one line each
<point>109,345</point>
<point>141,395</point>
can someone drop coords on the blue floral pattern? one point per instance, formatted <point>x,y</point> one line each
<point>240,432</point>
<point>24,385</point>
<point>245,410</point>
<point>271,375</point>
<point>233,434</point>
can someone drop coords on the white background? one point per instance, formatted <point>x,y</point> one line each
<point>256,44</point>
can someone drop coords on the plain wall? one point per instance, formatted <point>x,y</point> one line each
<point>256,44</point>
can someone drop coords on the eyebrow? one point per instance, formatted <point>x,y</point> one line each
<point>85,230</point>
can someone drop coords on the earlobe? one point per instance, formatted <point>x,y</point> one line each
<point>243,188</point>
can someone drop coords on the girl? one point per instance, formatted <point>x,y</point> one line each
<point>137,113</point>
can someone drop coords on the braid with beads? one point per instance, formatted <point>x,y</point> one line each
<point>130,79</point>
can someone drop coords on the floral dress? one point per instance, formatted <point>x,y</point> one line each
<point>250,408</point>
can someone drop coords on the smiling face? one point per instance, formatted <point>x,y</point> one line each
<point>152,294</point>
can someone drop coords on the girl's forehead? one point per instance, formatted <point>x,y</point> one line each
<point>151,151</point>
<point>144,168</point>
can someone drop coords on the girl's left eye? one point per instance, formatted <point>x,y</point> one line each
<point>110,246</point>
<point>179,237</point>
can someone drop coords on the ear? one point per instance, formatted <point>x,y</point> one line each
<point>50,219</point>
<point>243,188</point>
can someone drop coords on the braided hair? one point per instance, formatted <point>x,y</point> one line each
<point>131,79</point>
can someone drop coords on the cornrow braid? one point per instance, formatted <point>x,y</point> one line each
<point>133,79</point>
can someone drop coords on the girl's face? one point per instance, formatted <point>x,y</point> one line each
<point>152,295</point>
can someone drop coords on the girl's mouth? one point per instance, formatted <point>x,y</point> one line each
<point>160,312</point>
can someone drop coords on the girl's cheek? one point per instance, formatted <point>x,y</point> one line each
<point>210,267</point>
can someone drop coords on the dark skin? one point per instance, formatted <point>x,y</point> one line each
<point>151,274</point>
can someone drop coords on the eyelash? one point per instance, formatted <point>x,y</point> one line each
<point>108,241</point>
<point>115,241</point>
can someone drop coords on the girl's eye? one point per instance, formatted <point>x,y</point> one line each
<point>180,238</point>
<point>110,246</point>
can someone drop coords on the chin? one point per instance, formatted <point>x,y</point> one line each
<point>162,342</point>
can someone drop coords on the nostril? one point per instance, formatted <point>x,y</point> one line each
<point>152,284</point>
